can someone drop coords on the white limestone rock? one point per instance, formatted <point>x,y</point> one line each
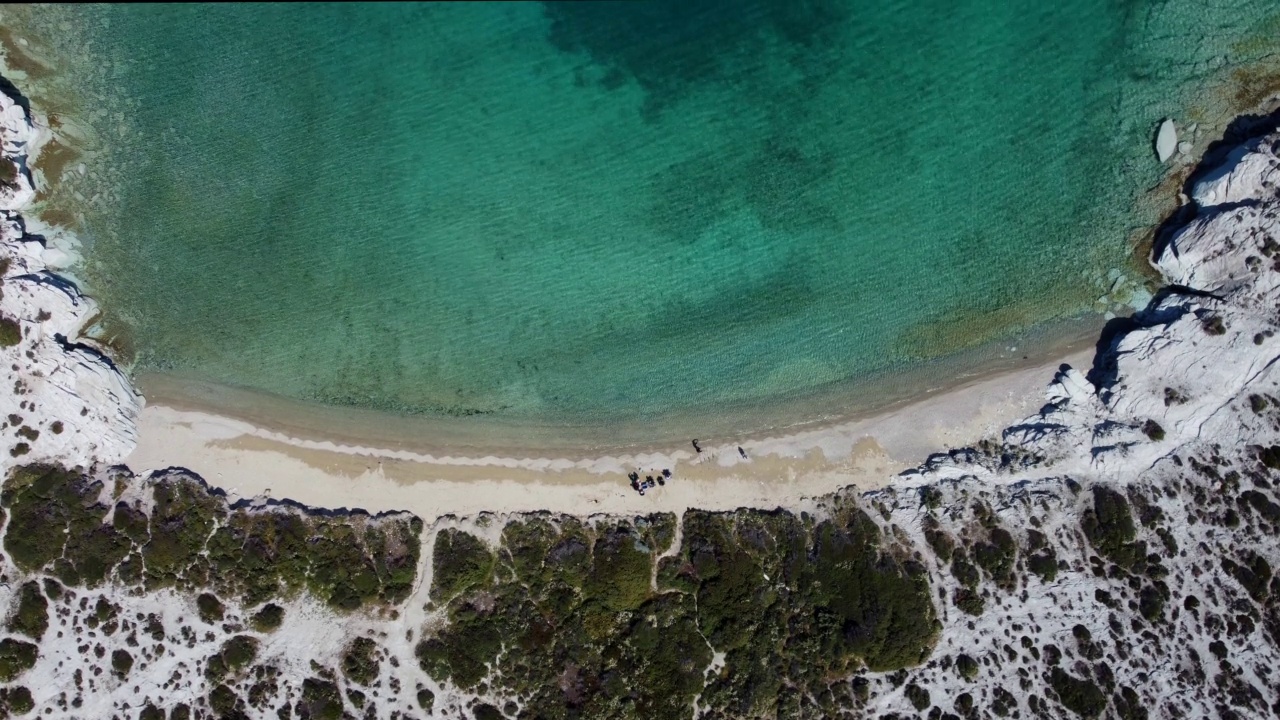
<point>63,400</point>
<point>1166,140</point>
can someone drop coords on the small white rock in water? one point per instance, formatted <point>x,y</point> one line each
<point>1166,140</point>
<point>1184,148</point>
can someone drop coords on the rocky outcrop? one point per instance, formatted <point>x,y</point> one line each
<point>62,399</point>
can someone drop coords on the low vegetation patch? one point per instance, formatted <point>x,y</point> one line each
<point>191,540</point>
<point>567,616</point>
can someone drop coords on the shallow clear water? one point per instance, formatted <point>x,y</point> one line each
<point>576,212</point>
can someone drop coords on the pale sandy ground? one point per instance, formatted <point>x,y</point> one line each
<point>253,460</point>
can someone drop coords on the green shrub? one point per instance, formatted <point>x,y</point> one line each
<point>459,561</point>
<point>969,601</point>
<point>321,699</point>
<point>210,608</point>
<point>17,700</point>
<point>1044,564</point>
<point>268,618</point>
<point>620,572</point>
<point>917,696</point>
<point>121,662</point>
<point>10,332</point>
<point>967,667</point>
<point>16,657</point>
<point>1081,697</point>
<point>360,662</point>
<point>1109,527</point>
<point>31,618</point>
<point>1152,430</point>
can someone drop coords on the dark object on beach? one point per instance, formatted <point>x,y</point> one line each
<point>649,478</point>
<point>634,476</point>
<point>661,481</point>
<point>742,452</point>
<point>666,473</point>
<point>641,491</point>
<point>696,446</point>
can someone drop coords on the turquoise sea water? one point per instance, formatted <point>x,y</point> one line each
<point>577,212</point>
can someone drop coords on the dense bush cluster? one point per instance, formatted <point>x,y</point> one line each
<point>71,526</point>
<point>608,619</point>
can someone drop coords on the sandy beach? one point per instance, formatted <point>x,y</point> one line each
<point>260,460</point>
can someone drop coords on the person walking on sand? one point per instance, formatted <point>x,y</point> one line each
<point>696,446</point>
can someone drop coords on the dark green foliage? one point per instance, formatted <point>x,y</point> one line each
<point>321,700</point>
<point>224,701</point>
<point>1081,697</point>
<point>184,514</point>
<point>16,700</point>
<point>1152,430</point>
<point>1128,705</point>
<point>55,515</point>
<point>485,711</point>
<point>1044,564</point>
<point>997,556</point>
<point>790,603</point>
<point>969,601</point>
<point>57,526</point>
<point>458,561</point>
<point>16,657</point>
<point>1151,603</point>
<point>930,497</point>
<point>151,712</point>
<point>1270,457</point>
<point>360,662</point>
<point>917,696</point>
<point>1212,325</point>
<point>10,332</point>
<point>131,522</point>
<point>268,618</point>
<point>1261,504</point>
<point>963,571</point>
<point>967,667</point>
<point>121,662</point>
<point>31,617</point>
<point>941,542</point>
<point>236,654</point>
<point>426,700</point>
<point>210,608</point>
<point>620,569</point>
<point>1109,527</point>
<point>1254,575</point>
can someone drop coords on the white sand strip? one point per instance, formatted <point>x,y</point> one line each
<point>251,460</point>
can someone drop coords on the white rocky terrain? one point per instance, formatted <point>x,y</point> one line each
<point>69,402</point>
<point>1111,555</point>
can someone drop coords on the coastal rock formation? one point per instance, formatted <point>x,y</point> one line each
<point>65,401</point>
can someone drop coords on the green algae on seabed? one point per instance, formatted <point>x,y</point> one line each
<point>572,213</point>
